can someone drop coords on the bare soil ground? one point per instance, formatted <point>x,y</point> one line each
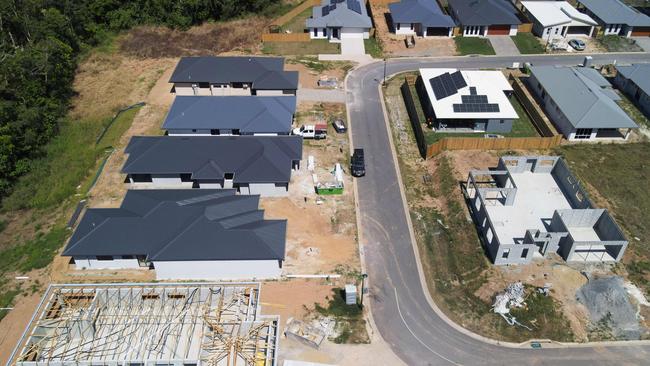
<point>308,78</point>
<point>394,45</point>
<point>239,36</point>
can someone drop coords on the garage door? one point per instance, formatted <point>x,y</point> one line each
<point>431,31</point>
<point>499,30</point>
<point>641,31</point>
<point>579,30</point>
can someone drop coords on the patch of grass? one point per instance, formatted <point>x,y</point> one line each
<point>373,47</point>
<point>6,300</point>
<point>69,160</point>
<point>614,43</point>
<point>541,313</point>
<point>473,46</point>
<point>313,63</point>
<point>350,325</point>
<point>313,47</point>
<point>637,116</point>
<point>297,23</point>
<point>527,43</point>
<point>3,225</point>
<point>33,254</point>
<point>620,173</point>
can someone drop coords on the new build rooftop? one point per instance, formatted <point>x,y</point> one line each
<point>238,115</point>
<point>212,324</point>
<point>181,234</point>
<point>532,206</point>
<point>230,75</point>
<point>251,164</point>
<point>467,100</point>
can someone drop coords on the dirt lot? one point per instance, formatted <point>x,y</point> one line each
<point>393,45</point>
<point>311,70</point>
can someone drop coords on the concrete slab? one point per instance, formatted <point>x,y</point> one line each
<point>504,46</point>
<point>352,46</point>
<point>643,42</point>
<point>538,196</point>
<point>584,234</point>
<point>321,95</point>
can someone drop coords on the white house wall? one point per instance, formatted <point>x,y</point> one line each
<point>354,33</point>
<point>265,189</point>
<point>272,93</point>
<point>318,33</point>
<point>404,28</point>
<point>167,180</point>
<point>189,132</point>
<point>217,270</point>
<point>513,30</point>
<point>116,263</point>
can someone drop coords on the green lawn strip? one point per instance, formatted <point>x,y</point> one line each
<point>620,173</point>
<point>637,116</point>
<point>297,23</point>
<point>69,159</point>
<point>473,46</point>
<point>313,47</point>
<point>527,43</point>
<point>614,43</point>
<point>350,323</point>
<point>373,47</point>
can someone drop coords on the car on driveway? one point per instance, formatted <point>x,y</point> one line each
<point>577,44</point>
<point>339,126</point>
<point>358,163</point>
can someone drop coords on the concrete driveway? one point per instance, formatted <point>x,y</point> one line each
<point>352,46</point>
<point>504,46</point>
<point>643,42</point>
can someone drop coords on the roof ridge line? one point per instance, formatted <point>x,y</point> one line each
<point>194,222</point>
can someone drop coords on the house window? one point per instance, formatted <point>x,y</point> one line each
<point>315,32</point>
<point>127,257</point>
<point>204,85</point>
<point>524,253</point>
<point>104,257</point>
<point>398,26</point>
<point>557,30</point>
<point>193,130</point>
<point>229,176</point>
<point>505,253</point>
<point>412,26</point>
<point>583,133</point>
<point>324,32</point>
<point>186,177</point>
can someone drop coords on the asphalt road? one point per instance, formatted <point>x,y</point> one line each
<point>400,309</point>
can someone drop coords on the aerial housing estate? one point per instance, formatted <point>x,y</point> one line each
<point>532,206</point>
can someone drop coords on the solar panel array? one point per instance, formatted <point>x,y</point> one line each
<point>447,84</point>
<point>325,10</point>
<point>476,108</point>
<point>474,99</point>
<point>354,5</point>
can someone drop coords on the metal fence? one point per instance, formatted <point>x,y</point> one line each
<point>414,118</point>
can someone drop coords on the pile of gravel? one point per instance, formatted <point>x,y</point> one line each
<point>606,300</point>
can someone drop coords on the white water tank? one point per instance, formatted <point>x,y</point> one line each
<point>350,294</point>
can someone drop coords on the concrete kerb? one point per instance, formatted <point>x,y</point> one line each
<point>362,259</point>
<point>440,313</point>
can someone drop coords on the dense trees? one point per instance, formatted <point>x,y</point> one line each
<point>40,41</point>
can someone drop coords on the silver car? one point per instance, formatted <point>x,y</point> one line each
<point>577,44</point>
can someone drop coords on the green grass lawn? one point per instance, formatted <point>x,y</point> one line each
<point>313,47</point>
<point>637,116</point>
<point>527,43</point>
<point>613,43</point>
<point>473,45</point>
<point>620,173</point>
<point>297,23</point>
<point>373,47</point>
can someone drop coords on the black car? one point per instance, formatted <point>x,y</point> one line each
<point>357,163</point>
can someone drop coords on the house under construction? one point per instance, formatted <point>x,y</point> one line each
<point>149,324</point>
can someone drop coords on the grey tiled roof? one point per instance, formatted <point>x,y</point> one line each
<point>484,12</point>
<point>639,74</point>
<point>180,225</point>
<point>616,12</point>
<point>425,12</point>
<point>252,159</point>
<point>580,98</point>
<point>263,72</point>
<point>339,14</point>
<point>249,114</point>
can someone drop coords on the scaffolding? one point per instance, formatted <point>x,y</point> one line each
<point>213,324</point>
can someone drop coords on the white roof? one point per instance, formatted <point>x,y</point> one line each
<point>489,83</point>
<point>550,13</point>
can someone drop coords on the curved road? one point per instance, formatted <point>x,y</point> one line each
<point>399,305</point>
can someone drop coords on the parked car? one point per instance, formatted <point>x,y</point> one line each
<point>577,44</point>
<point>339,126</point>
<point>318,131</point>
<point>358,163</point>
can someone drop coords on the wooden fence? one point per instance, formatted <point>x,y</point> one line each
<point>382,2</point>
<point>541,123</point>
<point>294,12</point>
<point>525,28</point>
<point>508,143</point>
<point>285,37</point>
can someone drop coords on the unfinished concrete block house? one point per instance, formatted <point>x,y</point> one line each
<point>531,206</point>
<point>230,75</point>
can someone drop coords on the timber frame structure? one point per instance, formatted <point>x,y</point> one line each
<point>180,324</point>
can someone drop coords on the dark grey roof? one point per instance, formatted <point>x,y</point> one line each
<point>638,73</point>
<point>616,12</point>
<point>425,12</point>
<point>484,12</point>
<point>180,225</point>
<point>582,100</point>
<point>252,159</point>
<point>249,114</point>
<point>263,72</point>
<point>340,13</point>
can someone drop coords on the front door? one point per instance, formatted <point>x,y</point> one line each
<point>335,33</point>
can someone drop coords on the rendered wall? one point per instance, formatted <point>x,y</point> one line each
<point>265,189</point>
<point>116,263</point>
<point>570,186</point>
<point>217,270</point>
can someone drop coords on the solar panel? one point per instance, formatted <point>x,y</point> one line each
<point>474,98</point>
<point>443,86</point>
<point>354,5</point>
<point>476,108</point>
<point>458,79</point>
<point>438,89</point>
<point>472,90</point>
<point>325,10</point>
